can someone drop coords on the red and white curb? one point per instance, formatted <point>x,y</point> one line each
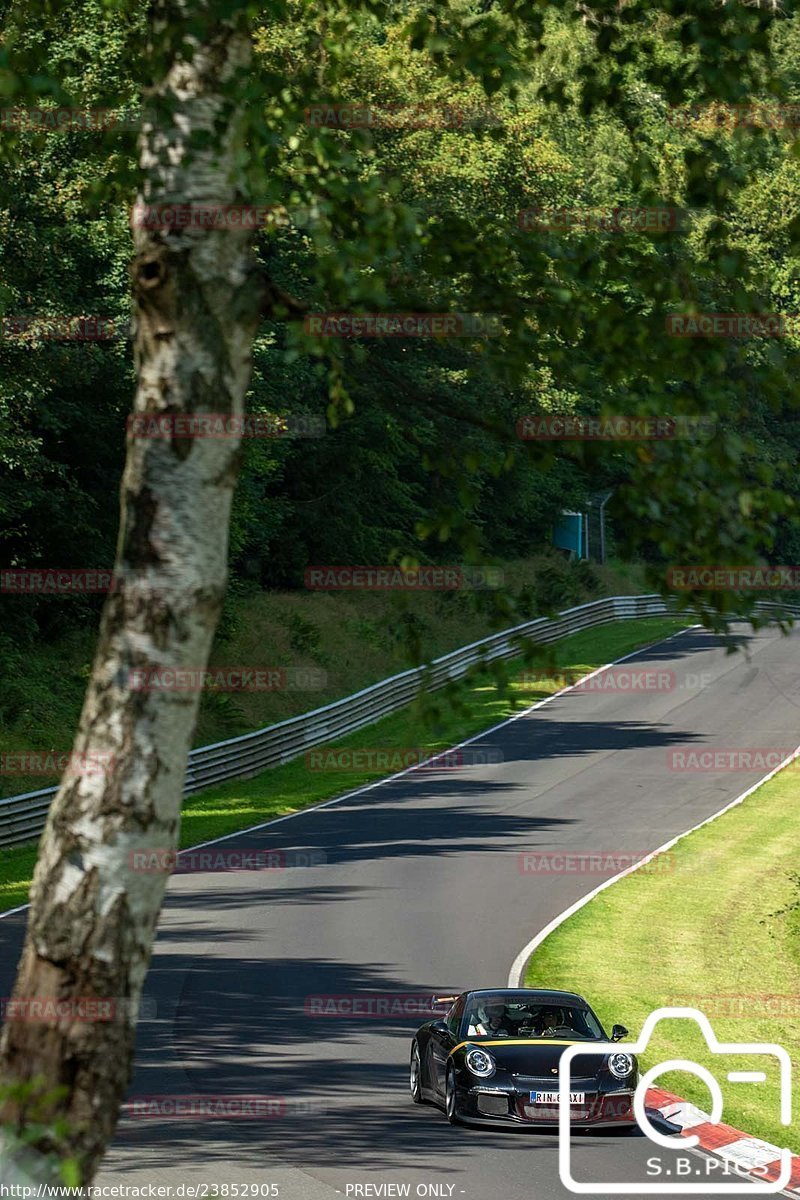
<point>747,1154</point>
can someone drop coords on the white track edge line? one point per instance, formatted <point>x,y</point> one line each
<point>515,978</point>
<point>368,787</point>
<point>521,961</point>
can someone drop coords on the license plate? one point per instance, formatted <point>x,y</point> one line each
<point>553,1097</point>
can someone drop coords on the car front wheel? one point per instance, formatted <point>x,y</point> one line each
<point>450,1107</point>
<point>415,1075</point>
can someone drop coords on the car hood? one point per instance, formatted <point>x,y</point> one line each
<point>538,1057</point>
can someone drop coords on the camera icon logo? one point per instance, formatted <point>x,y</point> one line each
<point>734,1049</point>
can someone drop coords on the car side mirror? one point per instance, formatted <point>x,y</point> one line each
<point>440,1025</point>
<point>618,1033</point>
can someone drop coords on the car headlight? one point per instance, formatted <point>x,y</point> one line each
<point>620,1064</point>
<point>480,1063</point>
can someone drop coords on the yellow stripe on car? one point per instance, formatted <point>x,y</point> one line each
<point>512,1042</point>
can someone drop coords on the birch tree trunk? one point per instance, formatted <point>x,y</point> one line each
<point>197,299</point>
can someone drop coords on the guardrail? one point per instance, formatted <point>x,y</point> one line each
<point>22,817</point>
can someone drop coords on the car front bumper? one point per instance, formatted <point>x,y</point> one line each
<point>509,1106</point>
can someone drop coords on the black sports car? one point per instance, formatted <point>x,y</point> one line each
<point>493,1059</point>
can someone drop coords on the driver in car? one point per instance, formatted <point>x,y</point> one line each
<point>493,1021</point>
<point>549,1020</point>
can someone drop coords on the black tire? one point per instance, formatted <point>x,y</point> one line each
<point>450,1103</point>
<point>415,1075</point>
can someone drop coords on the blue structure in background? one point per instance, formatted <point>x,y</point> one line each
<point>568,533</point>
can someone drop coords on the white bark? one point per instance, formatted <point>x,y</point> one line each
<point>93,916</point>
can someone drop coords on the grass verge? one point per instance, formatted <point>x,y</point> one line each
<point>237,805</point>
<point>331,644</point>
<point>719,930</point>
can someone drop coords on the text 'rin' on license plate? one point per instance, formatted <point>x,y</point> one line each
<point>552,1097</point>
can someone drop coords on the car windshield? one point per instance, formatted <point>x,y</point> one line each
<point>498,1017</point>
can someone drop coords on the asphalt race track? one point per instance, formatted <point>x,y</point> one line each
<point>420,891</point>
